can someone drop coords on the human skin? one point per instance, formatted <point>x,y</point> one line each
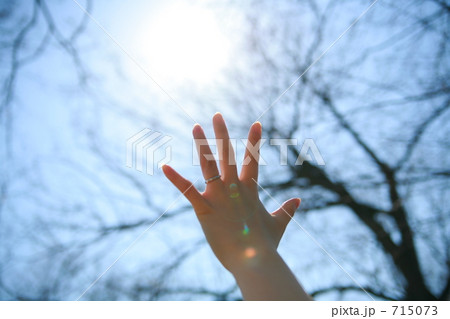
<point>243,235</point>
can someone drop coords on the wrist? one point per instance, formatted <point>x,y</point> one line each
<point>267,277</point>
<point>254,260</point>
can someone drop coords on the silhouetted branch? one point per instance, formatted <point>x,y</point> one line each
<point>413,142</point>
<point>341,289</point>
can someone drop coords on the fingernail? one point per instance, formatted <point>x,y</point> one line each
<point>218,115</point>
<point>299,200</point>
<point>259,124</point>
<point>196,127</point>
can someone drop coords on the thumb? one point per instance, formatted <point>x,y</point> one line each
<point>286,211</point>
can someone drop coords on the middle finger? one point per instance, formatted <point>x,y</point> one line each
<point>226,152</point>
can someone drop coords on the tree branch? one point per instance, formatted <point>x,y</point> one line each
<point>351,288</point>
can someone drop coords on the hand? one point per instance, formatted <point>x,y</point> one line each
<point>238,228</point>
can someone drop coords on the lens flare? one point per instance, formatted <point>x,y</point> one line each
<point>246,230</point>
<point>250,252</point>
<point>234,191</point>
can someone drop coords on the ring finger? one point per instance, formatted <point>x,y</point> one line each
<point>207,160</point>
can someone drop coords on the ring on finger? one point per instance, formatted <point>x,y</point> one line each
<point>212,179</point>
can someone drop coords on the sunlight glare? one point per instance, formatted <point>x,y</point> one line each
<point>186,43</point>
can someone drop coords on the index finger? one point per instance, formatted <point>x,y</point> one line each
<point>249,172</point>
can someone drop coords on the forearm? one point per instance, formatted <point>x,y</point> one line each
<point>268,278</point>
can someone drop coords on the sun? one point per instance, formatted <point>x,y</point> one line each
<point>185,43</point>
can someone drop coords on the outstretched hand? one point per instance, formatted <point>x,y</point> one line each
<point>238,228</point>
